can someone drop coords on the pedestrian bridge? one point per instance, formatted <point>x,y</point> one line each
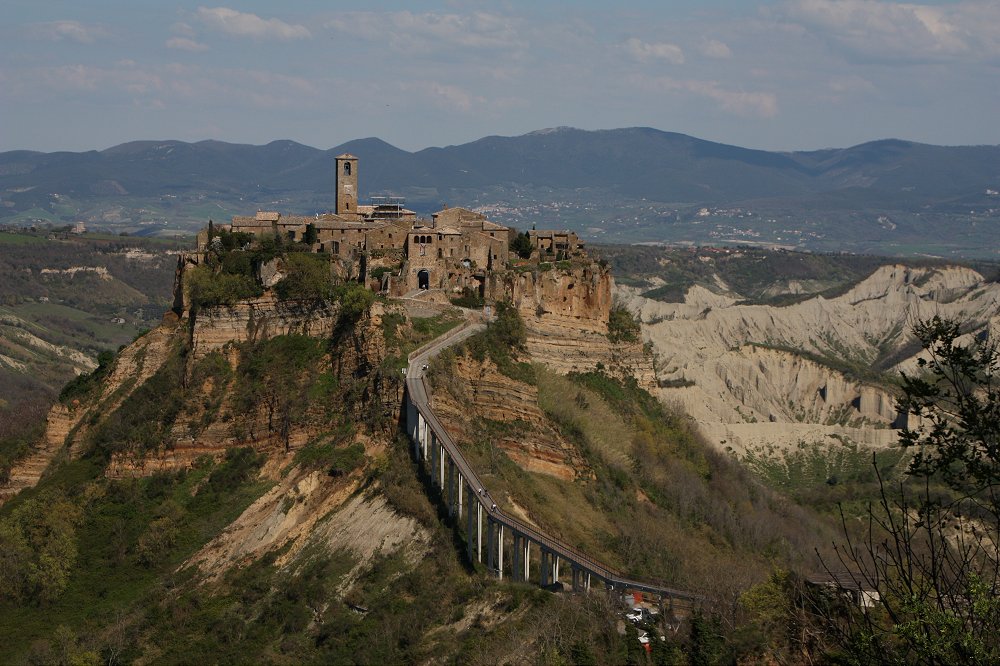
<point>508,546</point>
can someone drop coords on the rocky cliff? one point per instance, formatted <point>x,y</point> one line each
<point>259,319</point>
<point>566,311</point>
<point>470,391</point>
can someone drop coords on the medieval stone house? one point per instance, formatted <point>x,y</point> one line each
<point>454,250</point>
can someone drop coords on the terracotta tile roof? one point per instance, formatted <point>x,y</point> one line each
<point>267,216</point>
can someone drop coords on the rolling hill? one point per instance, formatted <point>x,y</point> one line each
<point>634,184</point>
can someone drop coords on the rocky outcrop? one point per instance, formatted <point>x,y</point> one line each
<point>475,389</point>
<point>67,425</point>
<point>745,373</point>
<point>259,319</point>
<point>566,311</point>
<point>311,509</point>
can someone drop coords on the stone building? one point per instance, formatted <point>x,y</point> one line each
<point>454,250</point>
<point>564,243</point>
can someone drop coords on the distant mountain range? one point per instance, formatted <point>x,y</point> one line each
<point>665,186</point>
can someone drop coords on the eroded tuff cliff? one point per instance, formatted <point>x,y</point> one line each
<point>566,311</point>
<point>207,422</point>
<point>259,319</point>
<point>756,374</point>
<point>473,397</point>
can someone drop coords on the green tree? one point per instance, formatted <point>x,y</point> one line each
<point>311,236</point>
<point>622,325</point>
<point>307,276</point>
<point>521,245</point>
<point>931,545</point>
<point>38,548</point>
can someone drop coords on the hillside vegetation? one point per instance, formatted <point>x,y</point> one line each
<point>61,299</point>
<point>256,500</point>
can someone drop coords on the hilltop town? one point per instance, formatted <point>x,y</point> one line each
<point>395,252</point>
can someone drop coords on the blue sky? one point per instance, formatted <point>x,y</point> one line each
<point>788,74</point>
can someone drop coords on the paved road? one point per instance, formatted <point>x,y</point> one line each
<point>417,390</point>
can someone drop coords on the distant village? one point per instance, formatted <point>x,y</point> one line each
<point>386,245</point>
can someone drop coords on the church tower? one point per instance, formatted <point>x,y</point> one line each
<point>347,184</point>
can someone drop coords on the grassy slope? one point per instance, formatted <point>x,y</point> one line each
<point>662,505</point>
<point>69,311</point>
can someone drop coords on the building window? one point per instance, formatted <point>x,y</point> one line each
<point>347,169</point>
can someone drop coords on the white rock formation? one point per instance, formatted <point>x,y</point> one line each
<point>756,379</point>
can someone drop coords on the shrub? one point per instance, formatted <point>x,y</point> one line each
<point>240,465</point>
<point>83,384</point>
<point>207,288</point>
<point>307,276</point>
<point>622,325</point>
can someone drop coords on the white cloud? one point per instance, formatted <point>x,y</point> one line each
<point>444,95</point>
<point>850,84</point>
<point>144,85</point>
<point>738,102</point>
<point>183,29</point>
<point>644,51</point>
<point>243,24</point>
<point>432,31</point>
<point>69,30</point>
<point>186,44</point>
<point>902,31</point>
<point>713,48</point>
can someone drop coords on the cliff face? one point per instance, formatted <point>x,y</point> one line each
<point>197,430</point>
<point>566,311</point>
<point>735,368</point>
<point>476,390</point>
<point>259,319</point>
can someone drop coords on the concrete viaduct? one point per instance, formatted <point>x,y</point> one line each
<point>506,544</point>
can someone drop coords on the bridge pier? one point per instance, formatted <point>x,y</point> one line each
<point>461,485</point>
<point>500,551</point>
<point>527,560</point>
<point>432,469</point>
<point>491,559</point>
<point>451,488</point>
<point>515,556</point>
<point>441,457</point>
<point>470,542</point>
<point>545,566</point>
<point>413,419</point>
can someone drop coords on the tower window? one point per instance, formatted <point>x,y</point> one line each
<point>347,168</point>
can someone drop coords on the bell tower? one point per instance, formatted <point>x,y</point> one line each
<point>347,184</point>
